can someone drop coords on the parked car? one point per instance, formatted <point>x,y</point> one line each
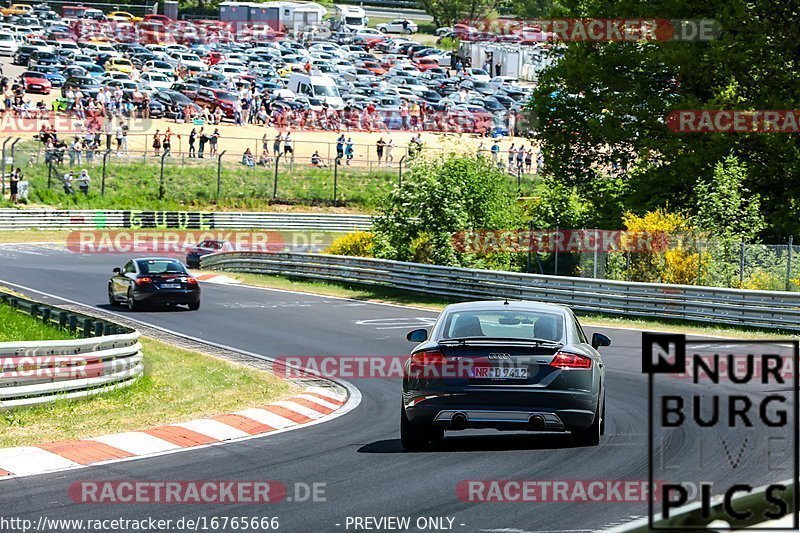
<point>36,82</point>
<point>405,26</point>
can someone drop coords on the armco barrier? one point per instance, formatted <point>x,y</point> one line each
<point>108,356</point>
<point>762,309</point>
<point>21,219</point>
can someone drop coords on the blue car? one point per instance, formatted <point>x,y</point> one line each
<point>51,73</point>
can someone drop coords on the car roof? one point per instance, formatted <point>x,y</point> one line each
<point>518,305</point>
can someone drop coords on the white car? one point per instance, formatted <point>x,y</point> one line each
<point>398,26</point>
<point>477,74</point>
<point>8,44</point>
<point>158,67</point>
<point>155,81</point>
<point>503,81</point>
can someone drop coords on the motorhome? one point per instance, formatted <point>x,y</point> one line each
<point>280,16</point>
<point>352,17</point>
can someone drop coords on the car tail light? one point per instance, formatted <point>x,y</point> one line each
<point>191,281</point>
<point>426,359</point>
<point>142,281</point>
<point>571,360</point>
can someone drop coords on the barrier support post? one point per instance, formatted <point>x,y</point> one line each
<point>219,173</point>
<point>161,179</point>
<point>789,263</point>
<point>3,168</point>
<point>275,182</point>
<point>103,182</point>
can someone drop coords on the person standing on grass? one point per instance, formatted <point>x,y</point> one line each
<point>75,152</point>
<point>528,159</point>
<point>203,141</point>
<point>276,144</point>
<point>379,146</point>
<point>16,177</point>
<point>83,182</point>
<point>389,154</point>
<point>157,143</point>
<point>511,153</point>
<point>340,148</point>
<point>125,138</point>
<point>67,181</point>
<point>348,150</point>
<point>520,158</point>
<point>192,139</point>
<point>167,141</point>
<point>214,142</point>
<point>118,135</point>
<point>288,146</point>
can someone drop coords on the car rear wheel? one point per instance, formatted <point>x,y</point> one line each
<point>413,436</point>
<point>132,304</point>
<point>591,435</point>
<point>194,306</point>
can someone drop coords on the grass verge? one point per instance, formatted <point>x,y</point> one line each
<point>17,327</point>
<point>178,385</point>
<point>395,296</point>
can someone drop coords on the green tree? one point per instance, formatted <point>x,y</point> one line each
<point>603,106</point>
<point>725,207</point>
<point>438,198</point>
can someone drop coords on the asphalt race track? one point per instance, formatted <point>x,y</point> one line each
<point>358,456</point>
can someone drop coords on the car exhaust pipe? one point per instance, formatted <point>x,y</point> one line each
<point>458,421</point>
<point>536,422</point>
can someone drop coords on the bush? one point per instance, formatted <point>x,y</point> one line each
<point>440,197</point>
<point>676,264</point>
<point>357,243</point>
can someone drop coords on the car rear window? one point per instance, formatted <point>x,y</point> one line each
<point>160,266</point>
<point>500,324</point>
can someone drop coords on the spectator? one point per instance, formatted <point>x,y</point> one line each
<point>495,151</point>
<point>75,152</point>
<point>528,159</point>
<point>265,158</point>
<point>379,146</point>
<point>16,177</point>
<point>512,123</point>
<point>83,182</point>
<point>202,144</point>
<point>511,153</point>
<point>276,144</point>
<point>192,140</point>
<point>167,141</point>
<point>125,139</point>
<point>247,158</point>
<point>348,150</point>
<point>288,146</point>
<point>118,135</point>
<point>389,152</point>
<point>317,161</point>
<point>67,181</point>
<point>214,141</point>
<point>157,143</point>
<point>340,148</point>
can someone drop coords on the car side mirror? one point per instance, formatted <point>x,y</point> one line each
<point>598,340</point>
<point>417,335</point>
<point>117,270</point>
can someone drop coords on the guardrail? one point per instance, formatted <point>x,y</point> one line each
<point>762,309</point>
<point>108,357</point>
<point>22,219</point>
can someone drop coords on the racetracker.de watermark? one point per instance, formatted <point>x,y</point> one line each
<point>208,492</point>
<point>177,241</point>
<point>733,121</point>
<point>556,491</point>
<point>593,29</point>
<point>548,241</point>
<point>63,123</point>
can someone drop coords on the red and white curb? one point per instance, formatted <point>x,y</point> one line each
<point>217,278</point>
<point>312,406</point>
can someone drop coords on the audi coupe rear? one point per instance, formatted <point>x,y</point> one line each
<point>505,365</point>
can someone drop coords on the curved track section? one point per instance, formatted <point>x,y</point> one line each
<point>357,456</point>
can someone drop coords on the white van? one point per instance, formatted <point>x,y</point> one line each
<point>8,44</point>
<point>322,87</point>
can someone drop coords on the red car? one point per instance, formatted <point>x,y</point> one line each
<point>426,63</point>
<point>212,58</point>
<point>35,82</point>
<point>213,98</point>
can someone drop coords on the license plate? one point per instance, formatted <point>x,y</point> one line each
<point>486,372</point>
<point>170,285</point>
